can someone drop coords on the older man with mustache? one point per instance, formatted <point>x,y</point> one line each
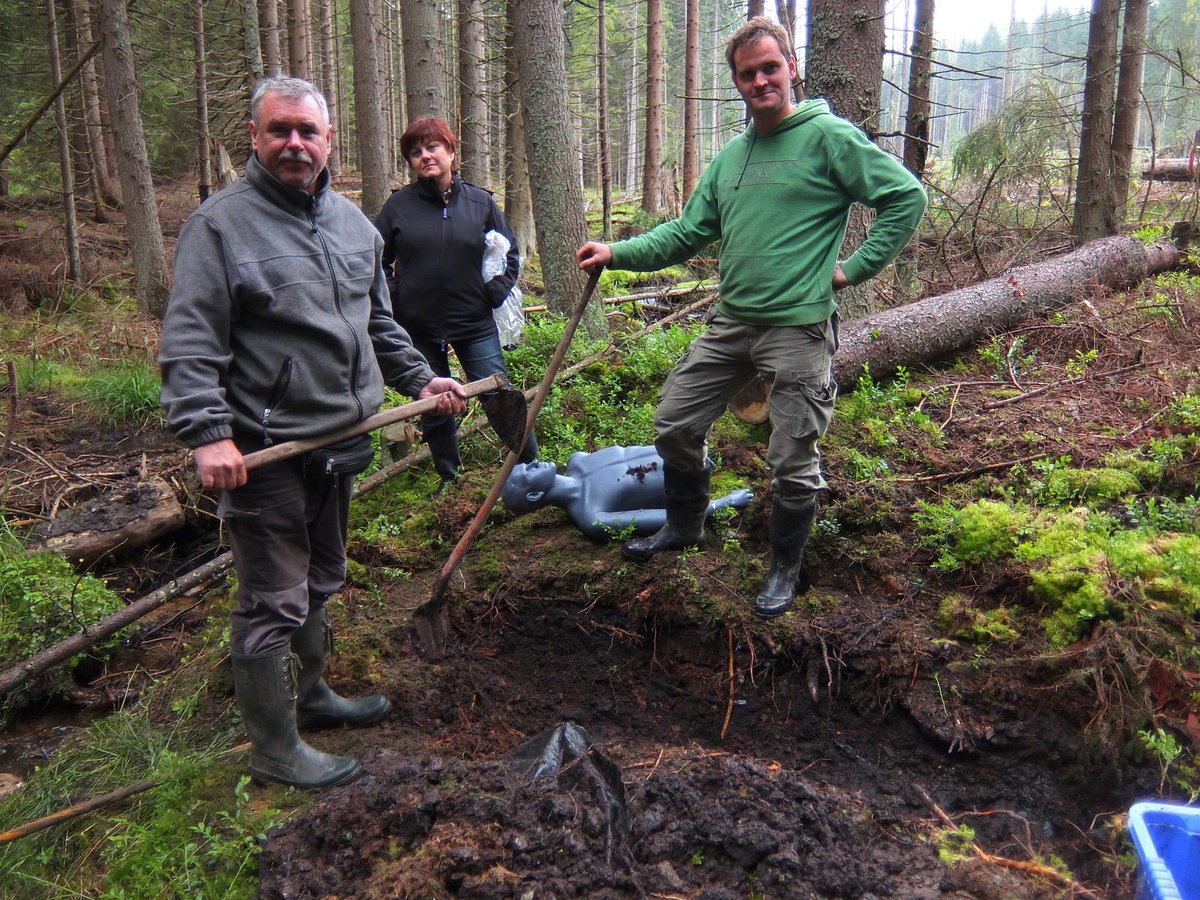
<point>279,328</point>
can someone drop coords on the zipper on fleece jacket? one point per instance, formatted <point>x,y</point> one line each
<point>282,380</point>
<point>337,305</point>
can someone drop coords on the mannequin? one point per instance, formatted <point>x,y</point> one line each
<point>604,492</point>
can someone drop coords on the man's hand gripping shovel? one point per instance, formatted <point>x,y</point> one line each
<point>430,618</point>
<point>506,414</point>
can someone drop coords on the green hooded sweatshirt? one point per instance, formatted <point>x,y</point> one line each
<point>779,203</point>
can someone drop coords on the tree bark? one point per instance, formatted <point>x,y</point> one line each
<point>472,106</point>
<point>916,122</point>
<point>327,10</point>
<point>937,327</point>
<point>137,189</point>
<point>252,42</point>
<point>424,60</point>
<point>603,149</point>
<point>90,88</point>
<point>1094,214</point>
<point>518,193</point>
<point>117,521</point>
<point>845,66</point>
<point>1129,96</point>
<point>71,220</point>
<point>691,100</point>
<point>300,39</point>
<point>368,104</point>
<point>203,138</point>
<point>272,54</point>
<point>554,170</point>
<point>652,162</point>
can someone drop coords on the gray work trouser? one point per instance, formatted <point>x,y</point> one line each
<point>287,529</point>
<point>795,361</point>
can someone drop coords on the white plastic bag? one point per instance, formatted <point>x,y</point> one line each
<point>510,319</point>
<point>510,315</point>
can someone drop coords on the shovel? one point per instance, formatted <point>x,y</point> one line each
<point>506,414</point>
<point>430,619</point>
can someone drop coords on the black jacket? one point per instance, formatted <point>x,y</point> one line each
<point>433,256</point>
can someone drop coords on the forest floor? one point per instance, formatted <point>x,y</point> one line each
<point>836,752</point>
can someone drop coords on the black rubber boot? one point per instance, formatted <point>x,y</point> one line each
<point>317,706</point>
<point>443,447</point>
<point>266,694</point>
<point>687,503</point>
<point>789,530</point>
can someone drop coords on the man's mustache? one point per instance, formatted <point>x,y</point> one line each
<point>295,156</point>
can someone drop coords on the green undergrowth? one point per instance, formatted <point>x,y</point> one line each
<point>44,600</point>
<point>95,350</point>
<point>194,833</point>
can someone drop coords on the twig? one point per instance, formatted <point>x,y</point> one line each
<point>73,812</point>
<point>1030,868</point>
<point>79,809</point>
<point>950,414</point>
<point>729,701</point>
<point>978,470</point>
<point>1047,387</point>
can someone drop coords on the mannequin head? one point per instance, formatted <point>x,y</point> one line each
<point>528,485</point>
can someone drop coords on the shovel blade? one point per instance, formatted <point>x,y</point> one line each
<point>507,412</point>
<point>432,624</point>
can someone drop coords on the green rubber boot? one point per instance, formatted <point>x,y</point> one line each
<point>317,705</point>
<point>266,694</point>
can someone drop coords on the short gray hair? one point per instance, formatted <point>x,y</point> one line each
<point>286,86</point>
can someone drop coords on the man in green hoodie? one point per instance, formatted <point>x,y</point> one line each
<point>778,198</point>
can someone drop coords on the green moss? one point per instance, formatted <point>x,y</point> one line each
<point>961,618</point>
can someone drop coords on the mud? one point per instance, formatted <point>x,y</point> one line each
<point>800,799</point>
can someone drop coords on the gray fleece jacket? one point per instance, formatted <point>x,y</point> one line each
<point>279,325</point>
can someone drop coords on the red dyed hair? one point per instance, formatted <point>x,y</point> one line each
<point>420,131</point>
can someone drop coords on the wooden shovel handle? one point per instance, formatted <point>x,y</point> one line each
<point>386,417</point>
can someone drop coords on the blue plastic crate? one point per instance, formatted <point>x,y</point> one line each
<point>1167,837</point>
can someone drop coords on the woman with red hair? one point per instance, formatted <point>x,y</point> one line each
<point>433,246</point>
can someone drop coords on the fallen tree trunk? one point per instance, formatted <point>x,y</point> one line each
<point>1182,168</point>
<point>936,327</point>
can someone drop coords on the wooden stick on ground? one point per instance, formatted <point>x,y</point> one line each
<point>78,809</point>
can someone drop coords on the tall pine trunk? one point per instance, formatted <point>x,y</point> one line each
<point>554,170</point>
<point>368,106</point>
<point>691,99</point>
<point>472,105</point>
<point>916,121</point>
<point>603,150</point>
<point>71,220</point>
<point>137,189</point>
<point>1129,96</point>
<point>845,66</point>
<point>1094,213</point>
<point>203,140</point>
<point>424,60</point>
<point>652,172</point>
<point>518,193</point>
